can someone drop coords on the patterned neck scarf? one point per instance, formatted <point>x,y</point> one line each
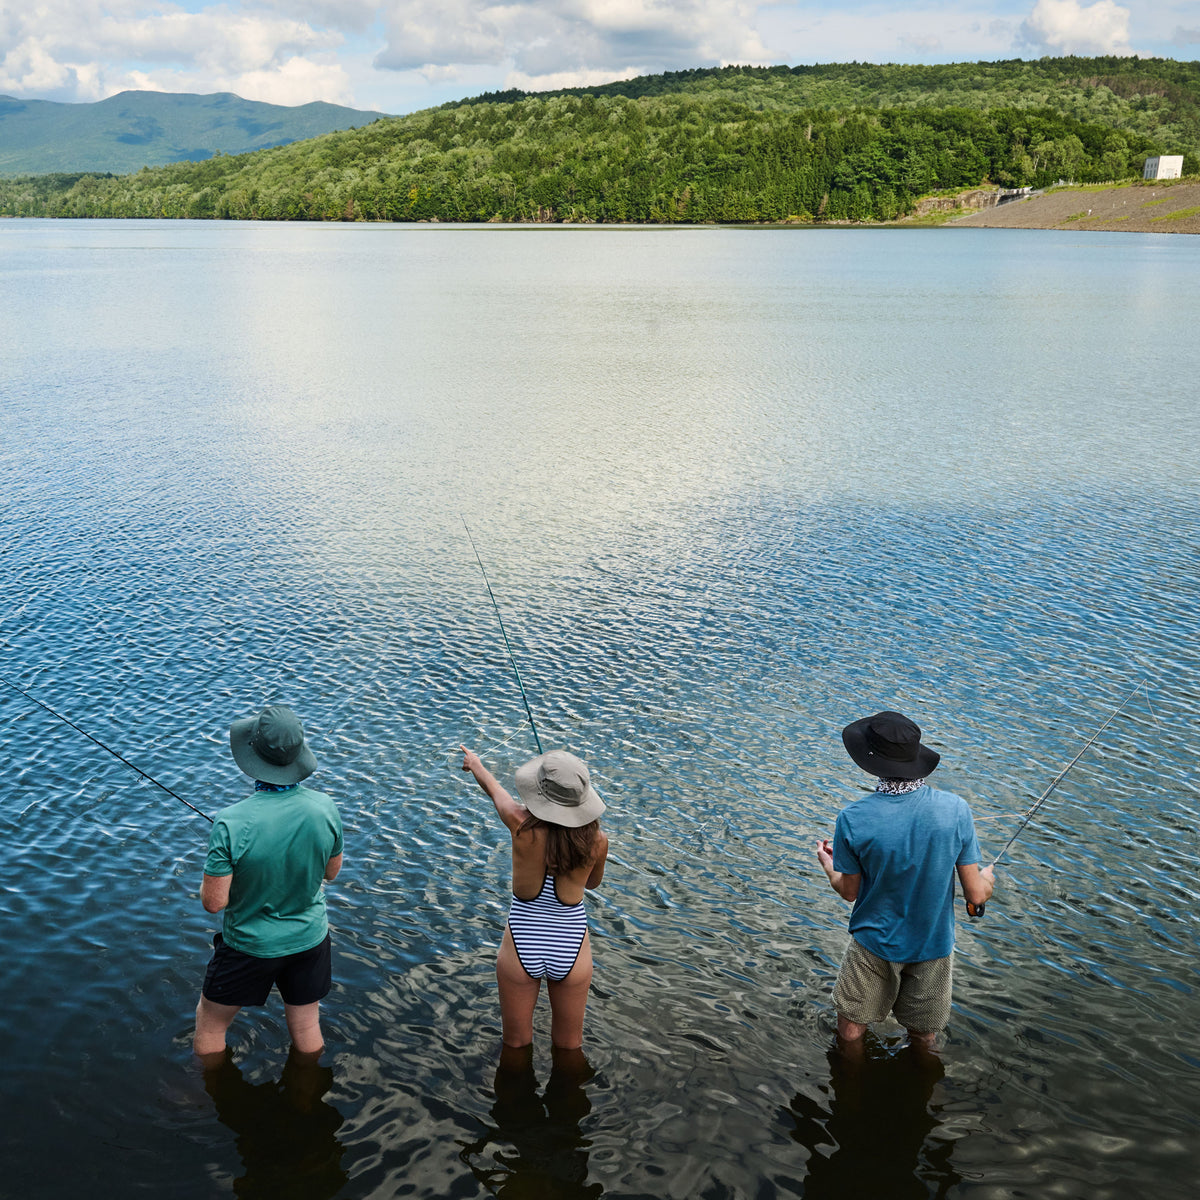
<point>898,787</point>
<point>259,786</point>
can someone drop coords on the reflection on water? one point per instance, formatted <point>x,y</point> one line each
<point>733,489</point>
<point>286,1131</point>
<point>873,1130</point>
<point>535,1147</point>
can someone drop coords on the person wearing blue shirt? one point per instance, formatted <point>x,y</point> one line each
<point>894,856</point>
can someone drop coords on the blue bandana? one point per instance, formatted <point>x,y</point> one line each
<point>259,786</point>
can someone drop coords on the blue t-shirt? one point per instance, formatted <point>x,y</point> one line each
<point>906,848</point>
<point>276,846</point>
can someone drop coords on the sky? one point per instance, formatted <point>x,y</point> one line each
<point>397,56</point>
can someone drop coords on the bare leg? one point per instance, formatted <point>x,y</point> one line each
<point>518,994</point>
<point>922,1041</point>
<point>304,1027</point>
<point>568,1000</point>
<point>850,1031</point>
<point>850,1039</point>
<point>212,1022</point>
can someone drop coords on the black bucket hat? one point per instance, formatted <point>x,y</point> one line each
<point>271,746</point>
<point>889,745</point>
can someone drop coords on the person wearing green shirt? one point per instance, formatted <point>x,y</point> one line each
<point>268,859</point>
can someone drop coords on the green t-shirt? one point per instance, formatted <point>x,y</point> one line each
<point>276,845</point>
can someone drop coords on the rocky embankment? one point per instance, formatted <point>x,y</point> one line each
<point>1159,207</point>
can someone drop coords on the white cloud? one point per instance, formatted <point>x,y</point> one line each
<point>886,34</point>
<point>89,49</point>
<point>1068,27</point>
<point>569,79</point>
<point>577,38</point>
<point>921,44</point>
<point>397,55</point>
<point>348,16</point>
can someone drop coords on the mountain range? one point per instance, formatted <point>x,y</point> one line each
<point>147,129</point>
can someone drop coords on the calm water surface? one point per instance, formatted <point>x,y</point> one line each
<point>734,488</point>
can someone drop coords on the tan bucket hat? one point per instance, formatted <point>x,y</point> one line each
<point>557,788</point>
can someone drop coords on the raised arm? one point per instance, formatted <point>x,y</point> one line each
<point>509,811</point>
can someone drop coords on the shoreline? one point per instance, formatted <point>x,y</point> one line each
<point>1158,206</point>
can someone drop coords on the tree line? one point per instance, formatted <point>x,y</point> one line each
<point>670,156</point>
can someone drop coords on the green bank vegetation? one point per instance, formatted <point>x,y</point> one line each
<point>1179,214</point>
<point>849,143</point>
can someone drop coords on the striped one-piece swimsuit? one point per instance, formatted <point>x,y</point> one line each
<point>548,934</point>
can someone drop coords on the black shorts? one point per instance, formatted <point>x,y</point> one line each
<point>236,978</point>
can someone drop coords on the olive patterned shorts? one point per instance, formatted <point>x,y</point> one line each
<point>868,988</point>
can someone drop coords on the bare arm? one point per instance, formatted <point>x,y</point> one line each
<point>845,885</point>
<point>214,892</point>
<point>332,867</point>
<point>597,873</point>
<point>510,812</point>
<point>977,885</point>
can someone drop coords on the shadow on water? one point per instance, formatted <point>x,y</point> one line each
<point>286,1132</point>
<point>539,1151</point>
<point>877,1133</point>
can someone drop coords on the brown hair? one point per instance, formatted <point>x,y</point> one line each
<point>566,849</point>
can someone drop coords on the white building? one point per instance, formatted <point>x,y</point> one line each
<point>1163,166</point>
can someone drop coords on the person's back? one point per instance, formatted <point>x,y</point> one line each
<point>529,854</point>
<point>267,858</point>
<point>558,850</point>
<point>277,844</point>
<point>906,847</point>
<point>894,856</point>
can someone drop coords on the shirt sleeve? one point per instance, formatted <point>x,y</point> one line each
<point>337,834</point>
<point>970,852</point>
<point>219,860</point>
<point>844,858</point>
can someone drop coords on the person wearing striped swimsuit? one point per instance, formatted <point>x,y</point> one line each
<point>558,851</point>
<point>547,933</point>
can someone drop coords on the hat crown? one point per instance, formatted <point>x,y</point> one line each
<point>893,736</point>
<point>277,736</point>
<point>563,778</point>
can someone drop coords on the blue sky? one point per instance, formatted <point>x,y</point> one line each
<point>401,55</point>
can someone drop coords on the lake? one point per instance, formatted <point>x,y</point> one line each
<point>733,489</point>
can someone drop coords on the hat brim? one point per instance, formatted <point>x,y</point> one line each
<point>854,738</point>
<point>571,816</point>
<point>301,767</point>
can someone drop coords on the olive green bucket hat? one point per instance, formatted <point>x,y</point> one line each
<point>271,746</point>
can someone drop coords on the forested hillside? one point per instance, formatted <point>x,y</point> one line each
<point>732,145</point>
<point>1159,98</point>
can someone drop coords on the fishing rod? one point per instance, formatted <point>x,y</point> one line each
<point>976,910</point>
<point>511,657</point>
<point>102,746</point>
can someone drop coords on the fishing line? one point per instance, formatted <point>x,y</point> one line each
<point>503,631</point>
<point>487,750</point>
<point>976,910</point>
<point>65,721</point>
<point>1063,773</point>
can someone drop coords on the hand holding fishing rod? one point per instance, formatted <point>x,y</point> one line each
<point>977,910</point>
